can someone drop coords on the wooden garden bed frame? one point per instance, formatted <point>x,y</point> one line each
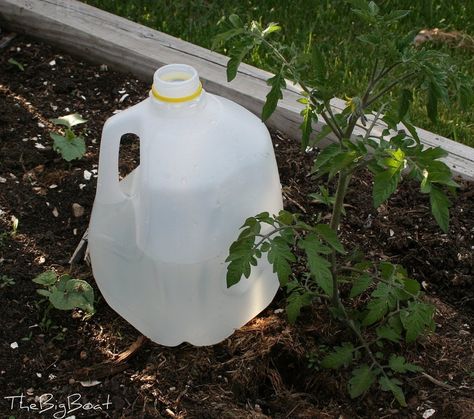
<point>104,38</point>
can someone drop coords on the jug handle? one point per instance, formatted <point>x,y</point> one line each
<point>108,187</point>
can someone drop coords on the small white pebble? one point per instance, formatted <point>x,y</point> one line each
<point>24,140</point>
<point>55,212</point>
<point>103,67</point>
<point>53,186</point>
<point>40,125</point>
<point>82,186</point>
<point>45,83</point>
<point>40,146</point>
<point>51,376</point>
<point>34,138</point>
<point>123,97</point>
<point>52,62</point>
<point>122,91</point>
<point>428,413</point>
<point>279,310</point>
<point>39,375</point>
<point>172,388</point>
<point>67,109</point>
<point>54,107</point>
<point>74,231</point>
<point>87,175</point>
<point>391,233</point>
<point>2,180</point>
<point>14,345</point>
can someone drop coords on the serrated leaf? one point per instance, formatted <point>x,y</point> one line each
<point>277,83</point>
<point>295,302</point>
<point>46,278</point>
<point>417,319</point>
<point>393,385</point>
<point>318,265</point>
<point>241,257</point>
<point>399,364</point>
<point>440,207</point>
<point>362,378</point>
<point>306,126</point>
<point>361,283</point>
<point>385,184</point>
<point>340,356</point>
<point>280,256</point>
<point>237,54</point>
<point>330,237</point>
<point>404,103</point>
<point>69,149</point>
<point>383,299</point>
<point>69,120</point>
<point>325,156</point>
<point>225,36</point>
<point>388,333</point>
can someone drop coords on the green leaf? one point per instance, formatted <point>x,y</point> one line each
<point>385,184</point>
<point>440,207</point>
<point>46,278</point>
<point>393,385</point>
<point>330,237</point>
<point>69,149</point>
<point>325,156</point>
<point>361,283</point>
<point>362,378</point>
<point>399,364</point>
<point>318,265</point>
<point>319,65</point>
<point>280,256</point>
<point>277,83</point>
<point>241,257</point>
<point>236,21</point>
<point>69,120</point>
<point>14,62</point>
<point>76,293</point>
<point>295,302</point>
<point>404,103</point>
<point>432,103</point>
<point>225,36</point>
<point>341,356</point>
<point>306,126</point>
<point>388,333</point>
<point>237,54</point>
<point>272,27</point>
<point>416,319</point>
<point>384,298</point>
<point>43,292</point>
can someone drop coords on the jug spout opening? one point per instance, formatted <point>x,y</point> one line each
<point>176,83</point>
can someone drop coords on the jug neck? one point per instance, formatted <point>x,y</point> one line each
<point>176,84</point>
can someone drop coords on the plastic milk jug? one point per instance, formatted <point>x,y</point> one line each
<point>159,238</point>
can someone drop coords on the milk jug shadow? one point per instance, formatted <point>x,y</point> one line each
<point>158,239</point>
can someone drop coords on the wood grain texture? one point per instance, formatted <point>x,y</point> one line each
<point>101,37</point>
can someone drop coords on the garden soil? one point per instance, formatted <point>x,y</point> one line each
<point>263,369</point>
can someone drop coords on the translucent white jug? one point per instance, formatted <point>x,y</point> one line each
<point>158,239</point>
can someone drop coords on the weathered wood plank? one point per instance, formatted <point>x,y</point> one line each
<point>105,38</point>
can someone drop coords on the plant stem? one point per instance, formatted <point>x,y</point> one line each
<point>342,184</point>
<point>389,87</point>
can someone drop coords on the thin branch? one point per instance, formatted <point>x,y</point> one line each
<point>389,87</point>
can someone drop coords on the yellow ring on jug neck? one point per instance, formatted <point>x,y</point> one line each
<point>176,99</point>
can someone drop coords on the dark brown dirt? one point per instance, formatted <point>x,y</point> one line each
<point>262,370</point>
